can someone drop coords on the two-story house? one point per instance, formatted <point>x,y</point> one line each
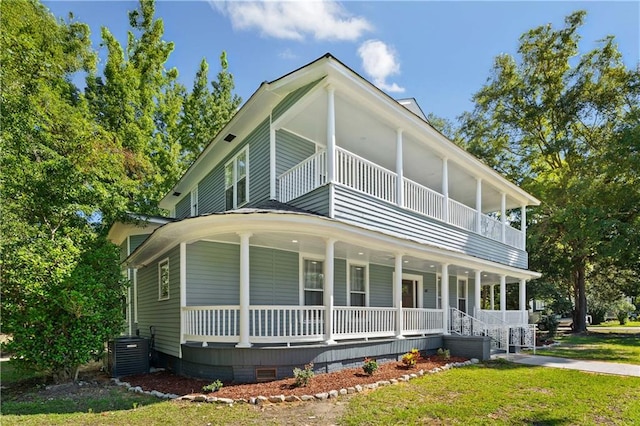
<point>326,222</point>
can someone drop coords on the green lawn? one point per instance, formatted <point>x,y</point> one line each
<point>598,346</point>
<point>616,324</point>
<point>493,393</point>
<point>502,393</point>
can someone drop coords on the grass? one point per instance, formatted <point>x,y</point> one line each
<point>598,346</point>
<point>502,393</point>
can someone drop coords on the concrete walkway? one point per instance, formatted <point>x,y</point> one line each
<point>575,364</point>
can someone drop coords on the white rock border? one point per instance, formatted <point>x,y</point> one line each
<point>278,399</point>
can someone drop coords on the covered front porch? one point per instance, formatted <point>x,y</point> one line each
<point>335,283</point>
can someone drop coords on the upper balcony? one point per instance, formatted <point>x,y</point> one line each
<point>369,178</point>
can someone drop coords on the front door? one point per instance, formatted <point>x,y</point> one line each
<point>409,289</point>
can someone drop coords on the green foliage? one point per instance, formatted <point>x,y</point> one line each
<point>411,358</point>
<point>443,353</point>
<point>303,377</point>
<point>369,366</point>
<point>623,308</point>
<point>563,126</point>
<point>213,386</point>
<point>549,323</point>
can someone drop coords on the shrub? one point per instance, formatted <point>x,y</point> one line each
<point>370,366</point>
<point>212,387</point>
<point>623,308</point>
<point>550,324</point>
<point>303,377</point>
<point>443,353</point>
<point>410,359</point>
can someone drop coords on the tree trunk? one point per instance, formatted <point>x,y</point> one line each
<point>580,313</point>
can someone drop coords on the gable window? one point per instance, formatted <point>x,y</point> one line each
<point>357,285</point>
<point>163,280</point>
<point>235,180</point>
<point>194,202</point>
<point>313,275</point>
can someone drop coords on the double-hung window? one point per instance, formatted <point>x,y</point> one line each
<point>357,285</point>
<point>163,280</point>
<point>235,180</point>
<point>313,282</point>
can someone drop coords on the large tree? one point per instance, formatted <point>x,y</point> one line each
<point>60,280</point>
<point>558,123</point>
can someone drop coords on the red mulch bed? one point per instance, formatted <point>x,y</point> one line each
<point>167,382</point>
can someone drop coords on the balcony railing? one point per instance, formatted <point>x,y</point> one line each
<point>502,317</point>
<point>369,178</point>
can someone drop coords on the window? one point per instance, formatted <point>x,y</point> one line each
<point>163,280</point>
<point>235,180</point>
<point>313,282</point>
<point>194,202</point>
<point>357,285</point>
<point>462,294</point>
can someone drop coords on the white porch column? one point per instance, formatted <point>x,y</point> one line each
<point>479,205</point>
<point>493,297</point>
<point>523,294</point>
<point>397,295</point>
<point>503,217</point>
<point>477,287</point>
<point>445,189</point>
<point>244,290</point>
<point>503,295</point>
<point>444,295</point>
<point>183,292</point>
<point>272,163</point>
<point>328,290</point>
<point>399,169</point>
<point>331,134</point>
<point>523,225</point>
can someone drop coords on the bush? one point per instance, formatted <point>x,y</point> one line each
<point>443,353</point>
<point>410,359</point>
<point>549,323</point>
<point>370,366</point>
<point>622,311</point>
<point>212,387</point>
<point>303,377</point>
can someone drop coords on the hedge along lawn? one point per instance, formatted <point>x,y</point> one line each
<point>502,393</point>
<point>597,346</point>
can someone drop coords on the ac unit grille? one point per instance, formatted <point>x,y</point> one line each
<point>128,355</point>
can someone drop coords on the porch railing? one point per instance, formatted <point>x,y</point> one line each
<point>211,323</point>
<point>352,322</point>
<point>502,317</point>
<point>423,200</point>
<point>304,177</point>
<point>277,324</point>
<point>422,321</point>
<point>365,176</point>
<point>462,216</point>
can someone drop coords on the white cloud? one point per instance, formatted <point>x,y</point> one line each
<point>294,20</point>
<point>380,62</point>
<point>287,54</point>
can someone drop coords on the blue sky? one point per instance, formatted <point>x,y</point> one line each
<point>437,52</point>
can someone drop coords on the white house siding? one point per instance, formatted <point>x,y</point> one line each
<point>363,210</point>
<point>164,315</point>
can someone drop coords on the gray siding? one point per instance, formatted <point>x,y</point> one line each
<point>213,274</point>
<point>274,277</point>
<point>316,201</point>
<point>291,99</point>
<point>136,240</point>
<point>211,196</point>
<point>164,315</point>
<point>291,150</point>
<point>453,291</point>
<point>123,250</point>
<point>471,297</point>
<point>363,210</point>
<point>380,286</point>
<point>183,208</point>
<point>429,296</point>
<point>340,282</point>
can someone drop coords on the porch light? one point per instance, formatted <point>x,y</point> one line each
<point>360,253</point>
<point>406,261</point>
<point>295,241</point>
<point>432,266</point>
